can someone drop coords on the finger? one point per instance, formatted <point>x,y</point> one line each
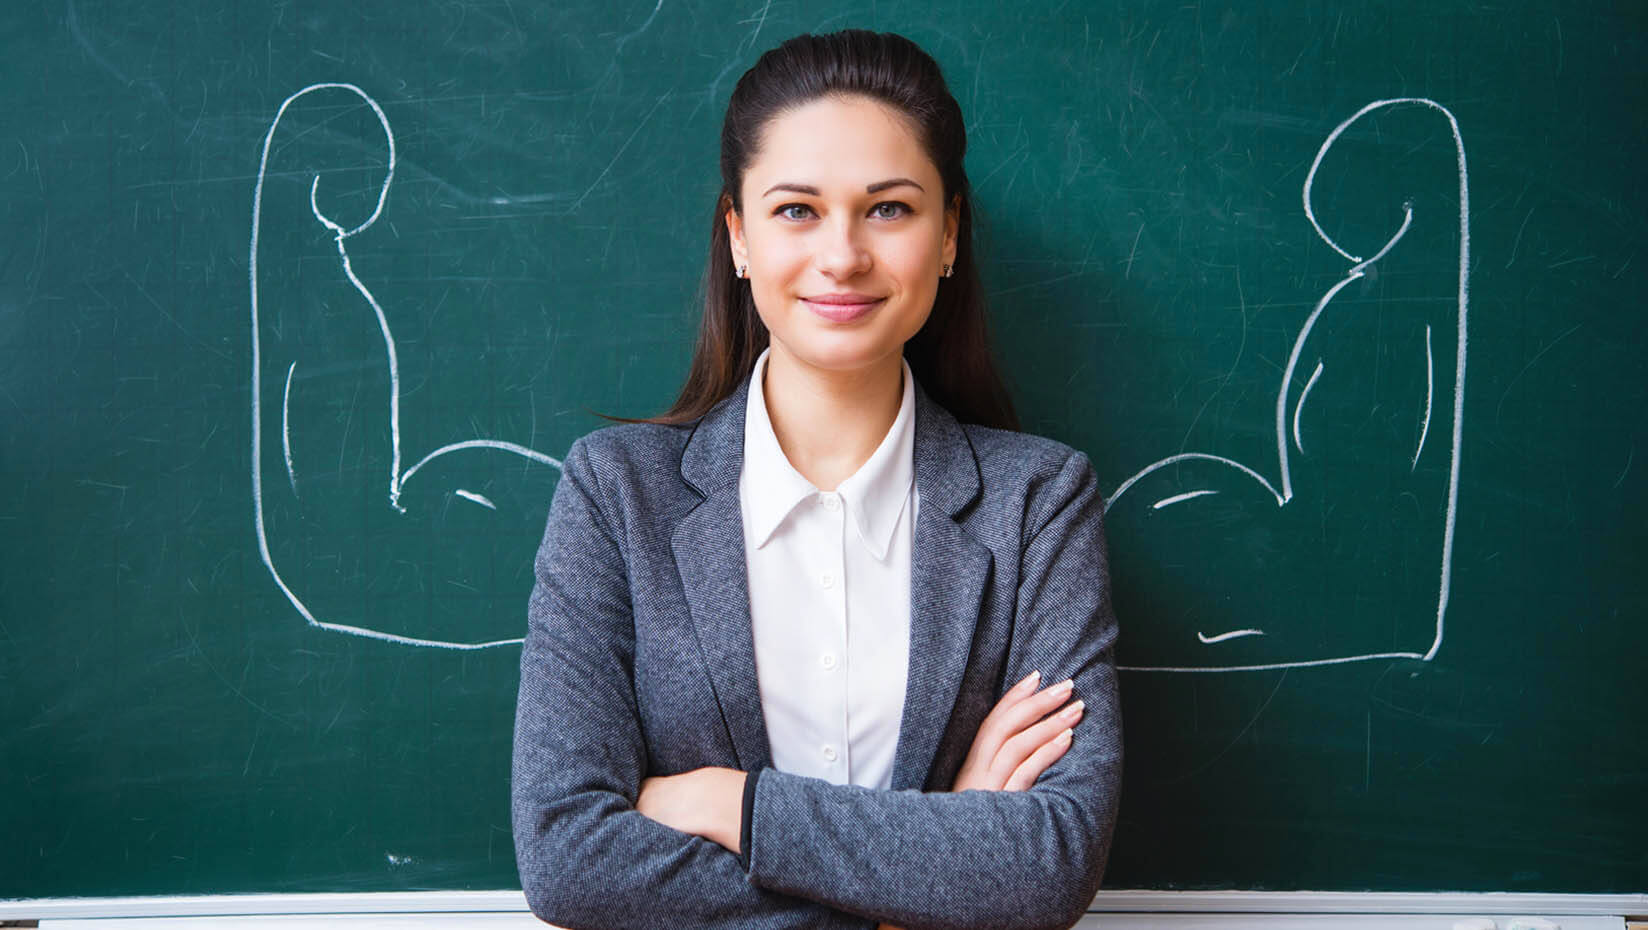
<point>993,748</point>
<point>1020,707</point>
<point>1031,768</point>
<point>992,730</point>
<point>1014,695</point>
<point>1024,743</point>
<point>1015,718</point>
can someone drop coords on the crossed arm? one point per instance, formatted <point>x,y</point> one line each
<point>1015,744</point>
<point>821,855</point>
<point>1020,738</point>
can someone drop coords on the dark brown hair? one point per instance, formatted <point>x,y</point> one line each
<point>950,356</point>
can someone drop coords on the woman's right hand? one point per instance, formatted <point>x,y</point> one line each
<point>1015,744</point>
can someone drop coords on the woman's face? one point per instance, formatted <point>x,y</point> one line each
<point>845,233</point>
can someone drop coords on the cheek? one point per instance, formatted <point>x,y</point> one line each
<point>778,253</point>
<point>914,257</point>
<point>775,269</point>
<point>777,264</point>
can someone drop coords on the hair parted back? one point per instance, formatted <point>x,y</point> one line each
<point>950,356</point>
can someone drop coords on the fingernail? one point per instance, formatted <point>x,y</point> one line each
<point>1065,686</point>
<point>1074,710</point>
<point>1063,739</point>
<point>1029,680</point>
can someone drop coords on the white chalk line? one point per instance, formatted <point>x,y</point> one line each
<point>1430,387</point>
<point>1169,501</point>
<point>286,428</point>
<point>1186,456</point>
<point>477,498</point>
<point>1309,663</point>
<point>397,477</point>
<point>1459,377</point>
<point>1299,408</point>
<point>1463,299</point>
<point>520,450</point>
<point>1357,271</point>
<point>1233,634</point>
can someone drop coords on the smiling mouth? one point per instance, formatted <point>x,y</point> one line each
<point>842,308</point>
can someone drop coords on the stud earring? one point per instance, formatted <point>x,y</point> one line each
<point>947,269</point>
<point>742,271</point>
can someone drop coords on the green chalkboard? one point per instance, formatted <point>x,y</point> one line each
<point>301,302</point>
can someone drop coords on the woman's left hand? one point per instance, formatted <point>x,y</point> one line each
<point>706,802</point>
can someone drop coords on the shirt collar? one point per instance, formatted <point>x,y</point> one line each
<point>875,495</point>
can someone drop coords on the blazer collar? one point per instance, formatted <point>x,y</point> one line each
<point>948,571</point>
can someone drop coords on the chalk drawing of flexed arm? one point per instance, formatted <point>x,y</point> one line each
<point>1342,551</point>
<point>355,544</point>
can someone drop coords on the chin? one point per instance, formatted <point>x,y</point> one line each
<point>821,344</point>
<point>833,359</point>
<point>840,351</point>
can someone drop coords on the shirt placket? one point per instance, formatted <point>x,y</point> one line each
<point>832,658</point>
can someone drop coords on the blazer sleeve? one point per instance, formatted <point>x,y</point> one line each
<point>1026,859</point>
<point>587,857</point>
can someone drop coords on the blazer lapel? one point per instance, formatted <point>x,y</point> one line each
<point>948,571</point>
<point>709,553</point>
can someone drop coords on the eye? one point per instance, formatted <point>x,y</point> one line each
<point>793,211</point>
<point>890,210</point>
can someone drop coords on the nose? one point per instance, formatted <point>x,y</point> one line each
<point>842,252</point>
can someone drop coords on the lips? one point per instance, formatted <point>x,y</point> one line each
<point>842,308</point>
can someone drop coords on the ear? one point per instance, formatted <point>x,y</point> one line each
<point>735,236</point>
<point>952,229</point>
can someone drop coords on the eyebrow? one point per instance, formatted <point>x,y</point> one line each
<point>875,188</point>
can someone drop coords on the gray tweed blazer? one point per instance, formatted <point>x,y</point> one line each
<point>639,661</point>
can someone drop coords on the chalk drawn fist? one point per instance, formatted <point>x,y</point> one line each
<point>1341,548</point>
<point>367,526</point>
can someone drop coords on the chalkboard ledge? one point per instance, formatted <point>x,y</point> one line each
<point>1121,910</point>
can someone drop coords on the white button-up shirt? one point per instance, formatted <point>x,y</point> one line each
<point>829,576</point>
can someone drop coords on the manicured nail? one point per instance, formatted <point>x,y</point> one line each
<point>1063,739</point>
<point>1073,711</point>
<point>1029,681</point>
<point>1065,686</point>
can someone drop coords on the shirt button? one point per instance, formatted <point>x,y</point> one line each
<point>827,660</point>
<point>827,580</point>
<point>832,502</point>
<point>829,753</point>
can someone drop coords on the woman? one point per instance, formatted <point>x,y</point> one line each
<point>780,631</point>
